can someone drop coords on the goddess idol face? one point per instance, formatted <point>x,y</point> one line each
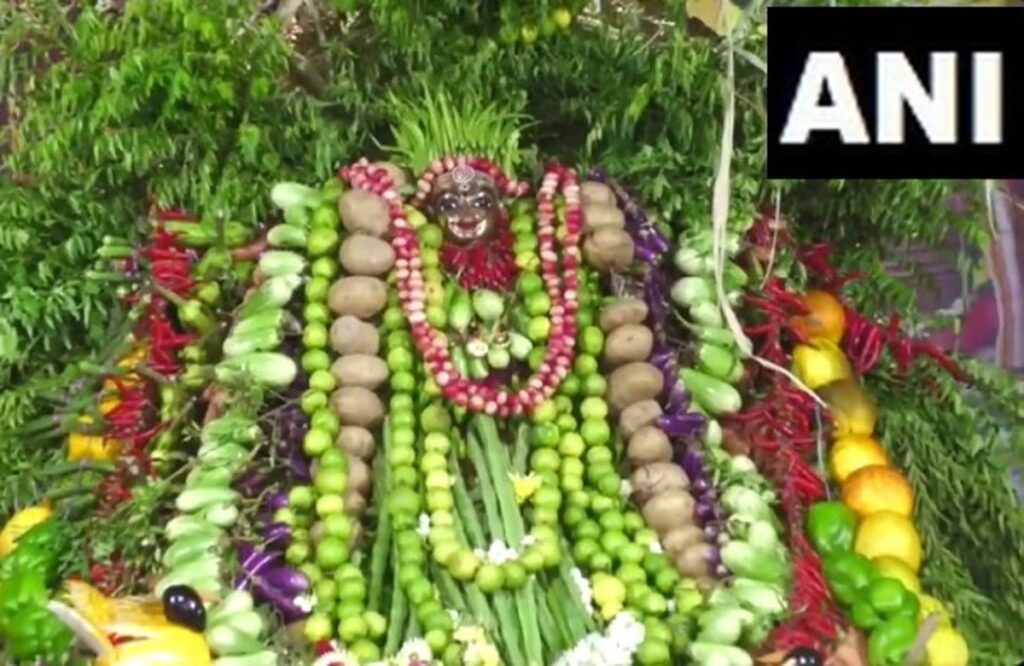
<point>466,204</point>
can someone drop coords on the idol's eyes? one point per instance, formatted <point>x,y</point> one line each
<point>448,204</point>
<point>483,201</point>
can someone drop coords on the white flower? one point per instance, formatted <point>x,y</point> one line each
<point>625,489</point>
<point>305,602</point>
<point>335,657</point>
<point>529,540</point>
<point>656,548</point>
<point>414,648</point>
<point>423,529</point>
<point>670,605</point>
<point>584,588</point>
<point>499,553</point>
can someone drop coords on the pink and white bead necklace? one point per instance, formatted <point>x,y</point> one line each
<point>475,395</point>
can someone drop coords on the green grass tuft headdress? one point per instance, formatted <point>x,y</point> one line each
<point>432,124</point>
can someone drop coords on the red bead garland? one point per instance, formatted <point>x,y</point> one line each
<point>473,395</point>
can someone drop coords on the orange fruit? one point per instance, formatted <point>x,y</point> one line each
<point>825,318</point>
<point>877,488</point>
<point>850,453</point>
<point>889,534</point>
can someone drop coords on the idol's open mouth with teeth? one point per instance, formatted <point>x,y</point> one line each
<point>468,230</point>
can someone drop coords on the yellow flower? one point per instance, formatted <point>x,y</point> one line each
<point>524,486</point>
<point>470,634</point>
<point>482,654</point>
<point>109,404</point>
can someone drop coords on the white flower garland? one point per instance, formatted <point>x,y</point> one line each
<point>616,647</point>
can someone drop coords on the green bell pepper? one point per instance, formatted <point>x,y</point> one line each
<point>831,527</point>
<point>848,575</point>
<point>889,642</point>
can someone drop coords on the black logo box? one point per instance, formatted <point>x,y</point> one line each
<point>859,34</point>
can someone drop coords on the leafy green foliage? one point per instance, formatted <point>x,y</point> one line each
<point>954,451</point>
<point>204,105</point>
<point>177,104</point>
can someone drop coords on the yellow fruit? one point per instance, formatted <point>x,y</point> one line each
<point>878,488</point>
<point>890,567</point>
<point>852,452</point>
<point>947,647</point>
<point>825,317</point>
<point>852,409</point>
<point>889,534</point>
<point>930,605</point>
<point>20,523</point>
<point>819,363</point>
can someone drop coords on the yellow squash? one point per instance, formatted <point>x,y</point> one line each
<point>20,523</point>
<point>152,640</point>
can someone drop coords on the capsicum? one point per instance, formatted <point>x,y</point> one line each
<point>890,641</point>
<point>848,575</point>
<point>831,527</point>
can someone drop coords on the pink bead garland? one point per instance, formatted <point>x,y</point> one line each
<point>475,395</point>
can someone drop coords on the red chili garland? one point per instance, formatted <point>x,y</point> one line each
<point>134,420</point>
<point>782,428</point>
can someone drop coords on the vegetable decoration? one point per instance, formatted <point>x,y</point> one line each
<point>452,407</point>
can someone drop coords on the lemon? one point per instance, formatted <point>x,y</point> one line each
<point>930,605</point>
<point>889,534</point>
<point>890,567</point>
<point>852,409</point>
<point>820,362</point>
<point>946,647</point>
<point>850,453</point>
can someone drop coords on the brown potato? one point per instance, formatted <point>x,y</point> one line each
<point>351,335</point>
<point>357,406</point>
<point>649,444</point>
<point>628,343</point>
<point>365,255</point>
<point>632,383</point>
<point>599,216</point>
<point>638,415</point>
<point>609,249</point>
<point>398,178</point>
<point>358,476</point>
<point>364,213</point>
<point>360,370</point>
<point>668,510</point>
<point>358,295</point>
<point>621,312</point>
<point>657,478</point>
<point>356,441</point>
<point>593,192</point>
<point>677,540</point>
<point>355,503</point>
<point>693,561</point>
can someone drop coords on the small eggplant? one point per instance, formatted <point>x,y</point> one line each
<point>286,579</point>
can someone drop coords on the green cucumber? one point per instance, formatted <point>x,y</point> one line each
<point>195,499</point>
<point>713,395</point>
<point>716,361</point>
